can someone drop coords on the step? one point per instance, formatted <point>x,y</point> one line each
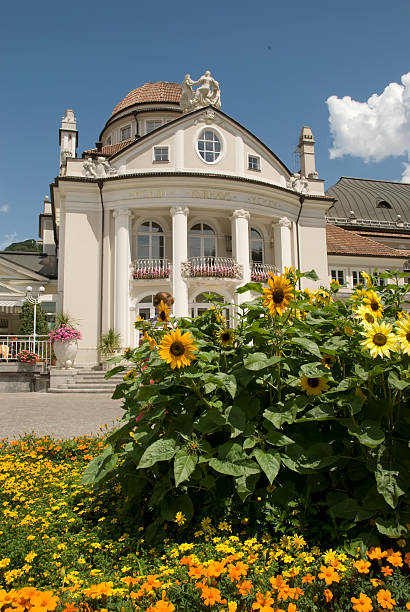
<point>85,390</point>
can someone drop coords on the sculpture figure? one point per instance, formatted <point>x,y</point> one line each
<point>89,168</point>
<point>104,167</point>
<point>298,183</point>
<point>207,93</point>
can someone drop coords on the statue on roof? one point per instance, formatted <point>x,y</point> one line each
<point>207,93</point>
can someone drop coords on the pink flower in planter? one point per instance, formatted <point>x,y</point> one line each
<point>65,333</point>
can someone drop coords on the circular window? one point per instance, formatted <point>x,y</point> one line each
<point>209,146</point>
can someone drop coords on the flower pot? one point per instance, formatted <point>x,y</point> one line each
<point>65,351</point>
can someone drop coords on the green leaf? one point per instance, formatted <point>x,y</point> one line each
<point>236,417</point>
<point>391,528</point>
<point>244,468</point>
<point>313,370</point>
<point>311,274</point>
<point>346,508</point>
<point>259,361</point>
<point>100,467</point>
<point>387,485</point>
<point>161,450</point>
<point>269,462</point>
<point>114,371</point>
<point>309,345</point>
<point>256,287</point>
<point>397,383</point>
<point>223,381</point>
<point>368,433</point>
<point>184,465</point>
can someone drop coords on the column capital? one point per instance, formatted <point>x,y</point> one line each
<point>284,222</point>
<point>179,210</point>
<point>240,213</point>
<point>121,212</point>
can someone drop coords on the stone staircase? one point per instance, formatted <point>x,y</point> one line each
<point>87,380</point>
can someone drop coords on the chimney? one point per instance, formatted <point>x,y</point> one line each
<point>307,153</point>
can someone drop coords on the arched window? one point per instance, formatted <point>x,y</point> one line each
<point>150,241</point>
<point>202,241</point>
<point>145,307</point>
<point>201,304</point>
<point>255,246</point>
<point>383,204</point>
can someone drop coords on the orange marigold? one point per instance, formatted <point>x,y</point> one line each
<point>263,602</point>
<point>328,595</point>
<point>385,600</point>
<point>376,553</point>
<point>395,559</point>
<point>328,574</point>
<point>245,587</point>
<point>387,570</point>
<point>362,603</point>
<point>362,566</point>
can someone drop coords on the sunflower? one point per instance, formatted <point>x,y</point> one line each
<point>163,313</point>
<point>367,278</point>
<point>323,297</point>
<point>131,374</point>
<point>278,296</point>
<point>328,361</point>
<point>403,334</point>
<point>226,337</point>
<point>365,315</point>
<point>374,303</point>
<point>379,339</point>
<point>313,386</point>
<point>150,340</point>
<point>177,349</point>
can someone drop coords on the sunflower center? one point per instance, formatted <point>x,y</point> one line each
<point>226,336</point>
<point>375,306</point>
<point>379,339</point>
<point>408,336</point>
<point>278,296</point>
<point>313,382</point>
<point>177,349</point>
<point>369,317</point>
<point>162,315</point>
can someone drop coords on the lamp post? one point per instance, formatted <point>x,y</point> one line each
<point>34,298</point>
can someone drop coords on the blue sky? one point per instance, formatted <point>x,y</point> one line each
<point>277,63</point>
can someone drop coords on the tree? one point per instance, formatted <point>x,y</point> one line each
<point>27,319</point>
<point>29,246</point>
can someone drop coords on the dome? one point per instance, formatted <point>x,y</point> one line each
<point>151,92</point>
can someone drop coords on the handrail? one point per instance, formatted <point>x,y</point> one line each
<point>150,268</point>
<point>211,267</point>
<point>11,345</point>
<point>260,271</point>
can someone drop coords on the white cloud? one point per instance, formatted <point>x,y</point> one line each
<point>4,208</point>
<point>375,129</point>
<point>8,239</point>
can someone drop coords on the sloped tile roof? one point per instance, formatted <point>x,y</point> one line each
<point>151,92</point>
<point>346,242</point>
<point>111,149</point>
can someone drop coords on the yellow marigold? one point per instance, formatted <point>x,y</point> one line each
<point>180,518</point>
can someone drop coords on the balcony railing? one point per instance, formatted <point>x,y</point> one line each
<point>150,268</point>
<point>12,345</point>
<point>211,267</point>
<point>260,271</point>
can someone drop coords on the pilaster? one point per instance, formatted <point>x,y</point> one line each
<point>282,240</point>
<point>122,272</point>
<point>240,248</point>
<point>179,216</point>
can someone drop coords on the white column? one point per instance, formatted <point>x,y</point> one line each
<point>240,249</point>
<point>179,255</point>
<point>122,272</point>
<point>282,240</point>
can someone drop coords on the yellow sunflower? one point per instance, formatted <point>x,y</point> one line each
<point>403,334</point>
<point>373,303</point>
<point>278,296</point>
<point>328,361</point>
<point>226,337</point>
<point>163,313</point>
<point>367,278</point>
<point>365,315</point>
<point>177,349</point>
<point>313,386</point>
<point>323,297</point>
<point>150,340</point>
<point>359,294</point>
<point>379,339</point>
<point>130,374</point>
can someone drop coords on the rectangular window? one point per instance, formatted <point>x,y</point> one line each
<point>161,154</point>
<point>379,282</point>
<point>109,141</point>
<point>125,133</point>
<point>356,278</point>
<point>338,275</point>
<point>254,163</point>
<point>152,125</point>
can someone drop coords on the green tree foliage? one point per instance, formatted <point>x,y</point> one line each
<point>293,414</point>
<point>27,319</point>
<point>29,246</point>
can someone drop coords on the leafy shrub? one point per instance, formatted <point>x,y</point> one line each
<point>302,409</point>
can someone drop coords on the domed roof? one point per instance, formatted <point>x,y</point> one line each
<point>151,92</point>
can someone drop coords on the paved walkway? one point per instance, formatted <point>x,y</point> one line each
<point>57,414</point>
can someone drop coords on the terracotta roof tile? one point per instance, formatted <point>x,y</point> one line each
<point>111,149</point>
<point>346,242</point>
<point>151,92</point>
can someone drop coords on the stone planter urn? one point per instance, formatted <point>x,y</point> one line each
<point>65,353</point>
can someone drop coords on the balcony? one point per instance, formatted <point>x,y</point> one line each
<point>150,268</point>
<point>211,267</point>
<point>260,271</point>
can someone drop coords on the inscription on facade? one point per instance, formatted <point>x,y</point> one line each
<point>202,194</point>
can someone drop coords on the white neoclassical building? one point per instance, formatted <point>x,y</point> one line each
<point>177,196</point>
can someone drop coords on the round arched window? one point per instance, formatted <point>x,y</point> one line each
<point>256,246</point>
<point>209,146</point>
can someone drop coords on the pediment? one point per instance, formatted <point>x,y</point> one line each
<point>181,137</point>
<point>11,272</point>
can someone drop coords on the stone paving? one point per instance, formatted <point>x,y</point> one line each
<point>60,416</point>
